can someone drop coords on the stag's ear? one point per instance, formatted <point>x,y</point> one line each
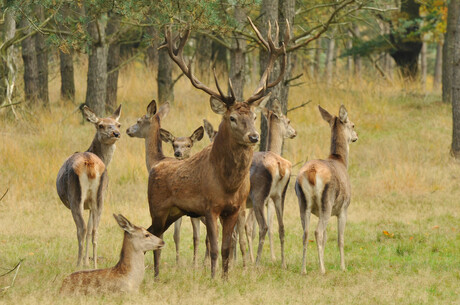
<point>90,116</point>
<point>151,108</point>
<point>217,105</point>
<point>124,223</point>
<point>209,129</point>
<point>166,136</point>
<point>326,115</point>
<point>343,114</point>
<point>197,135</point>
<point>116,114</point>
<point>163,111</point>
<point>276,108</point>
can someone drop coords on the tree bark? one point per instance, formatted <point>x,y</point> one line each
<point>423,64</point>
<point>455,149</point>
<point>204,57</point>
<point>237,56</point>
<point>453,12</point>
<point>329,61</point>
<point>357,58</point>
<point>316,67</point>
<point>7,61</point>
<point>96,90</point>
<point>42,61</point>
<point>29,57</point>
<point>286,12</point>
<point>219,58</point>
<point>269,13</point>
<point>66,65</point>
<point>152,50</point>
<point>113,61</point>
<point>164,77</point>
<point>437,67</point>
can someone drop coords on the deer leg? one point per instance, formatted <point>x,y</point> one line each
<point>250,228</point>
<point>320,238</point>
<point>177,226</point>
<point>341,221</point>
<point>96,215</point>
<point>279,215</point>
<point>89,232</point>
<point>157,229</point>
<point>228,225</point>
<point>259,212</point>
<point>241,223</point>
<point>77,215</point>
<point>270,218</point>
<point>211,228</point>
<point>196,238</point>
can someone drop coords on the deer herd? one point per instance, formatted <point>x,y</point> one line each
<point>227,181</point>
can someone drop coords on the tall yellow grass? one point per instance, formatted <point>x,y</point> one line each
<point>403,182</point>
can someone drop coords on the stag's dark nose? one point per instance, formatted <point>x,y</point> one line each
<point>116,134</point>
<point>177,154</point>
<point>254,138</point>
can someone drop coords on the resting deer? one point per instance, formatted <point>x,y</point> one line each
<point>82,179</point>
<point>323,186</point>
<point>148,128</point>
<point>127,274</point>
<point>215,181</point>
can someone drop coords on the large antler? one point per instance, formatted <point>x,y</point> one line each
<point>176,54</point>
<point>273,53</point>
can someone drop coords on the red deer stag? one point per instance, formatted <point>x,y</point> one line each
<point>323,186</point>
<point>82,179</point>
<point>127,274</point>
<point>215,181</point>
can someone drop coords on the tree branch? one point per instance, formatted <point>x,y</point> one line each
<point>299,106</point>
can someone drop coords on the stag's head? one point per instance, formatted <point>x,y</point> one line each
<point>107,129</point>
<point>238,116</point>
<point>152,118</point>
<point>182,145</point>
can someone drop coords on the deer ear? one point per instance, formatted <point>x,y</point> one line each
<point>262,102</point>
<point>217,105</point>
<point>166,136</point>
<point>116,114</point>
<point>163,111</point>
<point>90,116</point>
<point>209,129</point>
<point>326,115</point>
<point>197,135</point>
<point>276,108</point>
<point>124,223</point>
<point>151,108</point>
<point>343,114</point>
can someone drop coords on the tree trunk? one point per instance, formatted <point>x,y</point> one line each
<point>7,61</point>
<point>164,77</point>
<point>357,58</point>
<point>349,58</point>
<point>113,61</point>
<point>152,50</point>
<point>329,61</point>
<point>42,61</point>
<point>66,65</point>
<point>316,67</point>
<point>437,67</point>
<point>237,56</point>
<point>204,57</point>
<point>286,12</point>
<point>29,56</point>
<point>455,150</point>
<point>269,13</point>
<point>453,12</point>
<point>219,58</point>
<point>423,65</point>
<point>96,90</point>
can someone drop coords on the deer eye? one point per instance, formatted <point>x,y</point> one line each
<point>232,119</point>
<point>147,235</point>
<point>101,126</point>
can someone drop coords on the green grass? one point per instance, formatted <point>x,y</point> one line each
<point>404,183</point>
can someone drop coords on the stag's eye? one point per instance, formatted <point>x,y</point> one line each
<point>232,119</point>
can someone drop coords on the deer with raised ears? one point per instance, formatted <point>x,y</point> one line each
<point>82,180</point>
<point>214,182</point>
<point>127,274</point>
<point>182,145</point>
<point>270,175</point>
<point>323,187</point>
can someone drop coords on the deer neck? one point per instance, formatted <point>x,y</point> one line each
<point>339,145</point>
<point>153,145</point>
<point>131,263</point>
<point>275,137</point>
<point>103,151</point>
<point>230,159</point>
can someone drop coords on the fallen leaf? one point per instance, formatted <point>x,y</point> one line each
<point>31,253</point>
<point>311,240</point>
<point>388,233</point>
<point>435,227</point>
<point>411,238</point>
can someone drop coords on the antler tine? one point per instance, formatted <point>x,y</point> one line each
<point>217,82</point>
<point>232,92</point>
<point>264,42</point>
<point>287,33</point>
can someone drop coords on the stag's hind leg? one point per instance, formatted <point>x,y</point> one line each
<point>177,226</point>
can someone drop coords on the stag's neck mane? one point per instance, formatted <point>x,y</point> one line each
<point>339,145</point>
<point>153,144</point>
<point>103,151</point>
<point>230,159</point>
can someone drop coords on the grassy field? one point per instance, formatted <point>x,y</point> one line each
<point>402,241</point>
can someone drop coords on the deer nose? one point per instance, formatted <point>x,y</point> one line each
<point>254,138</point>
<point>177,154</point>
<point>116,134</point>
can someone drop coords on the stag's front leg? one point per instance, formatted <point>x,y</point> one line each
<point>211,228</point>
<point>228,224</point>
<point>241,228</point>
